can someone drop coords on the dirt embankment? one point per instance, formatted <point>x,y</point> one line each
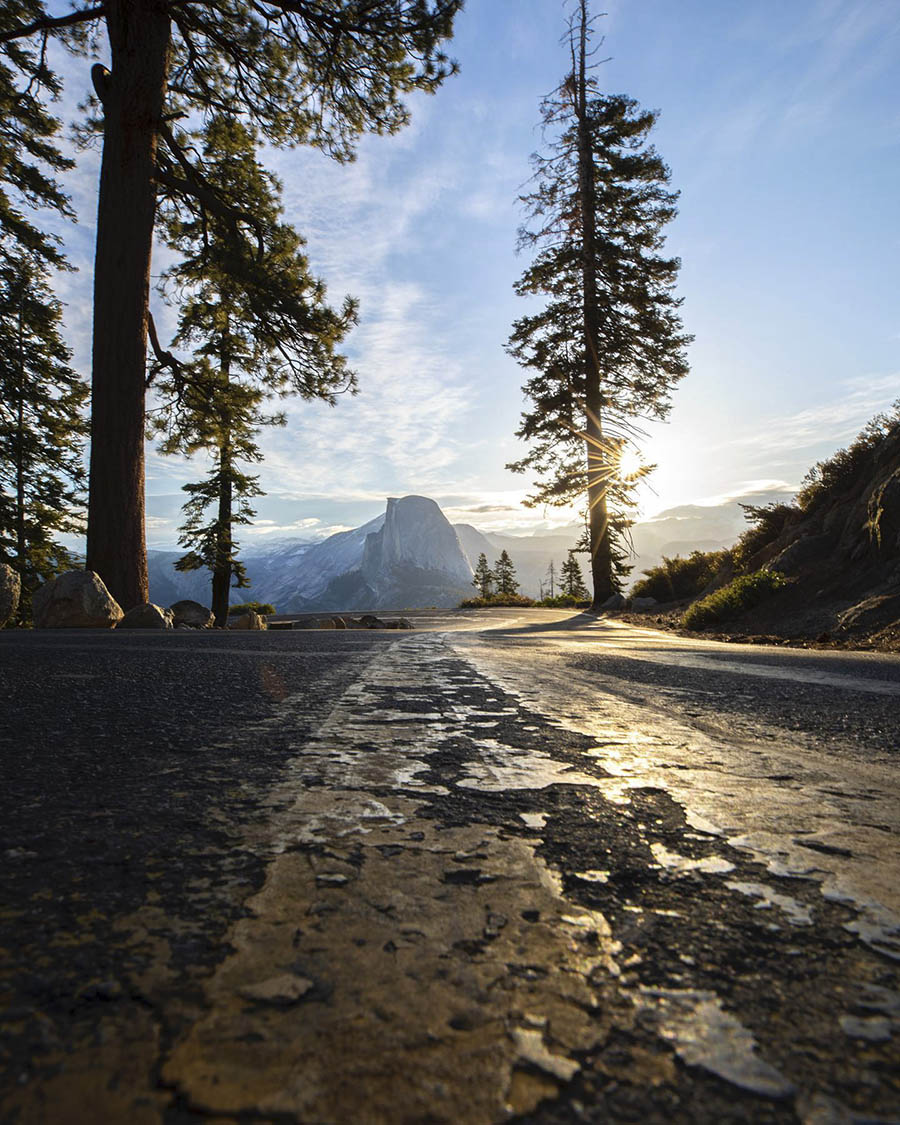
<point>838,548</point>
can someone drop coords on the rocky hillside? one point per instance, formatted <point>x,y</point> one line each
<point>837,545</point>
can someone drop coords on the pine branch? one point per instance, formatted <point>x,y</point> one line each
<point>163,358</point>
<point>51,23</point>
<point>197,187</point>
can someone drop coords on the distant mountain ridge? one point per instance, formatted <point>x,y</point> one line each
<point>412,556</point>
<point>408,557</point>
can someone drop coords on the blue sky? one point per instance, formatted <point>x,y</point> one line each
<point>781,124</point>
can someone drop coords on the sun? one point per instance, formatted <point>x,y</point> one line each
<point>630,462</point>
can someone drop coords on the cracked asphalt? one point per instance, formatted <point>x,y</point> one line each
<point>505,867</point>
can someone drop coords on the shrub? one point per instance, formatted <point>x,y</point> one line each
<point>767,523</point>
<point>563,601</point>
<point>841,471</point>
<point>680,578</point>
<point>496,599</point>
<point>257,607</point>
<point>743,593</point>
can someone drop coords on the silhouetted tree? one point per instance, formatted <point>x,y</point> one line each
<point>484,577</point>
<point>505,575</point>
<point>301,71</point>
<point>608,347</point>
<point>42,429</point>
<point>572,580</point>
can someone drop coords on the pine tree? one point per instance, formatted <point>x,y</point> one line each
<point>551,578</point>
<point>505,575</point>
<point>258,326</point>
<point>42,429</point>
<point>226,424</point>
<point>484,577</point>
<point>29,158</point>
<point>572,580</point>
<point>608,347</point>
<point>303,72</point>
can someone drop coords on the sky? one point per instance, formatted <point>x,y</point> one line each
<point>781,126</point>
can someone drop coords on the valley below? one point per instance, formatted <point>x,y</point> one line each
<point>524,865</point>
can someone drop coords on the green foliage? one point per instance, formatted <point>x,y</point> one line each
<point>505,575</point>
<point>42,429</point>
<point>572,580</point>
<point>245,607</point>
<point>564,601</point>
<point>29,158</point>
<point>743,593</point>
<point>245,290</point>
<point>303,71</point>
<point>484,577</point>
<point>608,346</point>
<point>497,600</point>
<point>767,523</point>
<point>842,470</point>
<point>211,542</point>
<point>258,326</point>
<point>309,72</point>
<point>680,578</point>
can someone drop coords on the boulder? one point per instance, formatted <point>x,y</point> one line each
<point>191,613</point>
<point>615,601</point>
<point>640,604</point>
<point>325,623</point>
<point>10,589</point>
<point>76,599</point>
<point>146,616</point>
<point>249,620</point>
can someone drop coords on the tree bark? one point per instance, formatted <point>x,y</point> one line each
<point>221,579</point>
<point>132,96</point>
<point>597,458</point>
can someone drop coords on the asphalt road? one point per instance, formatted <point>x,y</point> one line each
<point>506,866</point>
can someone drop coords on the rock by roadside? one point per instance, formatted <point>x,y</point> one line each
<point>250,620</point>
<point>146,616</point>
<point>193,614</point>
<point>76,599</point>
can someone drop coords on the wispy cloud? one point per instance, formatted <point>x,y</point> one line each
<point>796,75</point>
<point>827,424</point>
<point>404,428</point>
<point>751,489</point>
<point>312,529</point>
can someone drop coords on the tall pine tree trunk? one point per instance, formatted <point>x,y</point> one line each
<point>597,461</point>
<point>221,579</point>
<point>132,97</point>
<point>21,544</point>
